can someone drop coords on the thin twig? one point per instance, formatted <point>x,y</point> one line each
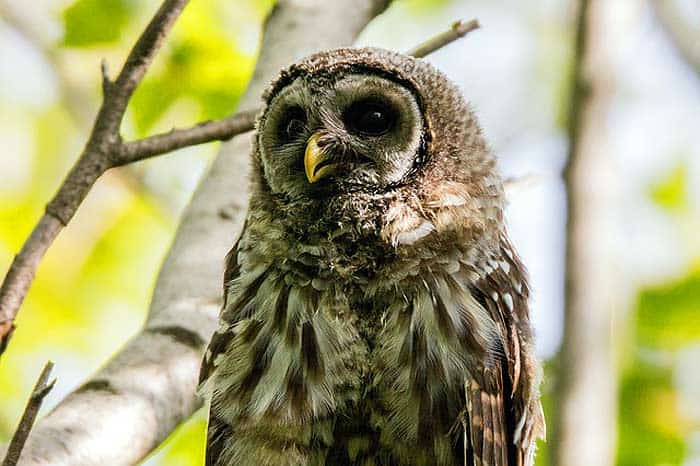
<point>458,30</point>
<point>218,130</point>
<point>683,32</point>
<point>105,150</point>
<point>41,389</point>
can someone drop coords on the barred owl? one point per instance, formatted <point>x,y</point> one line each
<point>375,310</point>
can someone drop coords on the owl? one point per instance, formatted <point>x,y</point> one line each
<point>375,311</point>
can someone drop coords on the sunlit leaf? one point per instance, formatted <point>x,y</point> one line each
<point>262,7</point>
<point>649,431</point>
<point>668,316</point>
<point>671,192</point>
<point>425,6</point>
<point>90,22</point>
<point>185,446</point>
<point>201,63</point>
<point>547,388</point>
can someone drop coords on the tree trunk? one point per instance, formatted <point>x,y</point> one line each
<point>585,430</point>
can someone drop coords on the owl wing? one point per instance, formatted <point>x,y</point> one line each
<point>219,431</point>
<point>220,338</point>
<point>502,402</point>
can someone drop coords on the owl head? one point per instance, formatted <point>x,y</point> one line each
<point>352,131</point>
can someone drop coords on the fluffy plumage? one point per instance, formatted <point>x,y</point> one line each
<point>380,315</point>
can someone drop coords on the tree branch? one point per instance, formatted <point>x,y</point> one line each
<point>684,34</point>
<point>219,130</point>
<point>105,149</point>
<point>41,389</point>
<point>458,30</point>
<point>585,426</point>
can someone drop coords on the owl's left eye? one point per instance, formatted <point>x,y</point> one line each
<point>370,117</point>
<point>293,123</point>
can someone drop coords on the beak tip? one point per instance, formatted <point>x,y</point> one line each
<point>313,156</point>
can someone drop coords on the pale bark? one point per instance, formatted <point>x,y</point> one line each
<point>130,406</point>
<point>683,31</point>
<point>585,427</point>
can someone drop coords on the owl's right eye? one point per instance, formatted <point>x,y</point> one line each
<point>292,123</point>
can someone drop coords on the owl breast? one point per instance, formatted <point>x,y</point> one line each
<point>374,369</point>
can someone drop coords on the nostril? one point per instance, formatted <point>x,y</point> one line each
<point>326,140</point>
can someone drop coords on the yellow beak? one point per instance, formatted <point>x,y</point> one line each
<point>314,157</point>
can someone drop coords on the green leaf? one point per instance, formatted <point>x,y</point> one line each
<point>420,7</point>
<point>201,64</point>
<point>151,100</point>
<point>185,446</point>
<point>671,192</point>
<point>551,368</point>
<point>649,428</point>
<point>90,22</point>
<point>668,316</point>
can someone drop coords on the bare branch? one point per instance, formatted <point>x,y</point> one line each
<point>684,33</point>
<point>41,389</point>
<point>219,130</point>
<point>458,30</point>
<point>105,149</point>
<point>21,273</point>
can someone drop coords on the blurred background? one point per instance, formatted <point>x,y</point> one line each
<point>93,288</point>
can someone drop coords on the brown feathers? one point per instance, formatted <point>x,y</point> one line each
<point>378,314</point>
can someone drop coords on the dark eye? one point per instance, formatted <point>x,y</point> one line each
<point>293,123</point>
<point>370,118</point>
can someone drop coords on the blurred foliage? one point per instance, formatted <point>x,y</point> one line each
<point>200,63</point>
<point>652,427</point>
<point>671,192</point>
<point>90,22</point>
<point>425,6</point>
<point>651,431</point>
<point>668,316</point>
<point>186,445</point>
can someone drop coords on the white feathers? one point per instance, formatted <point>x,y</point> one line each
<point>451,200</point>
<point>411,236</point>
<point>505,266</point>
<point>448,194</point>
<point>518,286</point>
<point>508,300</point>
<point>404,226</point>
<point>517,437</point>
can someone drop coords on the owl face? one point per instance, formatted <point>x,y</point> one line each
<point>373,145</point>
<point>348,132</point>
